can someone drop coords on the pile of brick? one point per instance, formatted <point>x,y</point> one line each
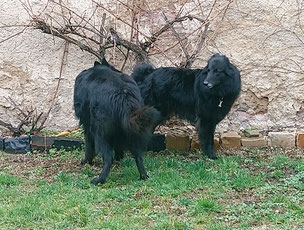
<point>233,140</point>
<point>177,140</point>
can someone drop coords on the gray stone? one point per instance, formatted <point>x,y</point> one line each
<point>178,143</point>
<point>230,140</point>
<point>254,142</point>
<point>251,133</point>
<point>282,139</point>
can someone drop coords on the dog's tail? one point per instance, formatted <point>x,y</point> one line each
<point>143,120</point>
<point>141,72</point>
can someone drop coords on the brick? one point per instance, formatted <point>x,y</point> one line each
<point>179,143</point>
<point>282,139</point>
<point>254,142</point>
<point>216,143</point>
<point>251,133</point>
<point>231,140</point>
<point>195,144</point>
<point>300,140</point>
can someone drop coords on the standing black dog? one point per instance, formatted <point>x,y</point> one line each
<point>204,96</point>
<point>111,109</point>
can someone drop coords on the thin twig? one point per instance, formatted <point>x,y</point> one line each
<point>133,16</point>
<point>14,35</point>
<point>102,30</point>
<point>199,46</point>
<point>143,34</point>
<point>177,37</point>
<point>12,102</point>
<point>65,52</point>
<point>40,24</point>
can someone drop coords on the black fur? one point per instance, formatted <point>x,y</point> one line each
<point>109,105</point>
<point>201,96</point>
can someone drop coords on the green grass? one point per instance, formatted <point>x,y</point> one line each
<point>246,190</point>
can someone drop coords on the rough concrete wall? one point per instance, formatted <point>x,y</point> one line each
<point>264,39</point>
<point>30,66</point>
<point>261,37</point>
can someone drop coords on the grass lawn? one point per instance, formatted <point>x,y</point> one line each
<point>246,189</point>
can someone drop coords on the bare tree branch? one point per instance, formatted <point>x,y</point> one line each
<point>27,117</point>
<point>15,131</point>
<point>14,35</point>
<point>199,47</point>
<point>45,28</point>
<point>66,47</point>
<point>178,38</point>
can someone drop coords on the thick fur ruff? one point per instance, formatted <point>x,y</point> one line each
<point>201,96</point>
<point>111,110</point>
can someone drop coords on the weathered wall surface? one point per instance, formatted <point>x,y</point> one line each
<point>30,66</point>
<point>264,38</point>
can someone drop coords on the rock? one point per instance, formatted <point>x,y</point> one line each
<point>251,133</point>
<point>300,140</point>
<point>255,142</point>
<point>179,143</point>
<point>282,139</point>
<point>231,140</point>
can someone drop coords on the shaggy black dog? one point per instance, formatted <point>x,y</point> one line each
<point>201,96</point>
<point>111,109</point>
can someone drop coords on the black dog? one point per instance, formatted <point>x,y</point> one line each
<point>109,105</point>
<point>203,96</point>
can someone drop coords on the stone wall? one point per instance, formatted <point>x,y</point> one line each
<point>262,38</point>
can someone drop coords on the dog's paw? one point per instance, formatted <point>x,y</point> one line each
<point>97,180</point>
<point>144,177</point>
<point>212,156</point>
<point>83,162</point>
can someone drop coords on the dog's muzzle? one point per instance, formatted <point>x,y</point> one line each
<point>209,85</point>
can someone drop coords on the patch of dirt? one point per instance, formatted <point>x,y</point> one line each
<point>172,208</point>
<point>246,196</point>
<point>36,166</point>
<point>39,166</point>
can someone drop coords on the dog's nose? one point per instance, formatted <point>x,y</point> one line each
<point>209,85</point>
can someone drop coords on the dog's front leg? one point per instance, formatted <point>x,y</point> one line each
<point>206,136</point>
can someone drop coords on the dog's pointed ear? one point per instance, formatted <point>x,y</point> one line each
<point>96,63</point>
<point>104,62</point>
